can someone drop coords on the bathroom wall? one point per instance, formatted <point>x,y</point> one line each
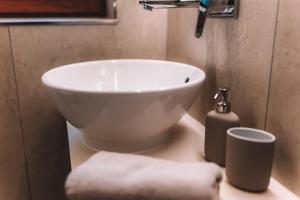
<point>258,57</point>
<point>29,118</point>
<point>13,176</point>
<point>283,117</point>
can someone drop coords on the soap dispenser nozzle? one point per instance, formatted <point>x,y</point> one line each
<point>223,105</point>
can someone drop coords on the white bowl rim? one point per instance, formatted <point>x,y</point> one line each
<point>271,139</point>
<point>147,91</point>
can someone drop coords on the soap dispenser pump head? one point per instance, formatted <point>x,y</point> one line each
<point>223,105</point>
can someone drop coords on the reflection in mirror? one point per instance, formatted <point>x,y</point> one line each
<point>58,11</point>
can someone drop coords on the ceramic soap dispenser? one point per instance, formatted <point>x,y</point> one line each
<point>218,122</point>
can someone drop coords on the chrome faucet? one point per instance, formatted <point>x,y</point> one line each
<point>158,4</point>
<point>201,4</point>
<point>229,9</point>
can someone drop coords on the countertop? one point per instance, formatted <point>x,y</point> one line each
<point>186,145</point>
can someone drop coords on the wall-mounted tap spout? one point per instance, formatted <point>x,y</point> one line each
<point>158,4</point>
<point>202,5</point>
<point>203,12</point>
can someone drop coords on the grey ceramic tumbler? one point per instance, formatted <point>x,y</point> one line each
<point>249,158</point>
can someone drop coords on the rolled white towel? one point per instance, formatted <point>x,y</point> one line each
<point>115,176</point>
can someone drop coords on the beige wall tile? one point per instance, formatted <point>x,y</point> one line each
<point>283,113</point>
<point>235,53</point>
<point>13,177</point>
<point>44,129</point>
<point>37,49</point>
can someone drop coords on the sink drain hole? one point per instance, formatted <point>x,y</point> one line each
<point>187,80</point>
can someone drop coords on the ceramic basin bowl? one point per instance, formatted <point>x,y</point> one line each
<point>123,105</point>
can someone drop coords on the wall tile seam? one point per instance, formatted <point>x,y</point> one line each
<point>167,35</point>
<point>272,66</point>
<point>20,121</point>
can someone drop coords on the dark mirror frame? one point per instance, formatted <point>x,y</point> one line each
<point>107,16</point>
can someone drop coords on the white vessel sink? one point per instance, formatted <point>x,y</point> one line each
<point>123,105</point>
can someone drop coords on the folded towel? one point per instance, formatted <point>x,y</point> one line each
<point>115,176</point>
